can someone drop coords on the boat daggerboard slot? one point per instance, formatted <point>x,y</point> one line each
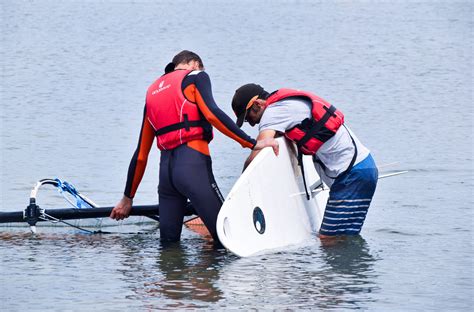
<point>259,220</point>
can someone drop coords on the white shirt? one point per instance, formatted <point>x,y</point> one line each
<point>336,153</point>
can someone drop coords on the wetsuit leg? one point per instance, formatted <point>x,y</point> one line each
<point>172,202</point>
<point>193,177</point>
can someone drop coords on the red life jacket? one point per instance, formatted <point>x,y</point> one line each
<point>175,119</point>
<point>311,133</point>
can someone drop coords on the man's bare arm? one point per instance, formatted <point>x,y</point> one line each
<point>265,138</point>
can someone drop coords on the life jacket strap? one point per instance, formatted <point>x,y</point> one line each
<point>351,164</point>
<point>300,163</point>
<point>186,124</point>
<point>330,112</point>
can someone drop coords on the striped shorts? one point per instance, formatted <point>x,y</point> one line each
<point>349,200</point>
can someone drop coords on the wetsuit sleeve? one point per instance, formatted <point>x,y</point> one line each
<point>215,115</point>
<point>140,157</point>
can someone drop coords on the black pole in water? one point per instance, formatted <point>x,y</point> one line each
<point>33,213</point>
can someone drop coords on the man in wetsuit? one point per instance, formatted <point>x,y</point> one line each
<point>180,111</point>
<point>318,129</point>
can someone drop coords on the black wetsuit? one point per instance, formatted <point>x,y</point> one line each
<point>186,171</point>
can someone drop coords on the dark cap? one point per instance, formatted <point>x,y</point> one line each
<point>241,99</point>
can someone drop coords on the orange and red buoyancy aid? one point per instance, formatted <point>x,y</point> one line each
<point>175,119</point>
<point>311,133</point>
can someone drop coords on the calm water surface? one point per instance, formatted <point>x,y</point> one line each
<point>74,75</point>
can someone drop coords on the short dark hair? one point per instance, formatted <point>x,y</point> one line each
<point>186,56</point>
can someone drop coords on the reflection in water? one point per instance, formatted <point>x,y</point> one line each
<point>349,271</point>
<point>189,275</point>
<point>313,277</point>
<point>348,255</point>
<point>184,272</point>
<point>136,271</point>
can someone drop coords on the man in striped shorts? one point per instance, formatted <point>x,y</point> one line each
<point>344,164</point>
